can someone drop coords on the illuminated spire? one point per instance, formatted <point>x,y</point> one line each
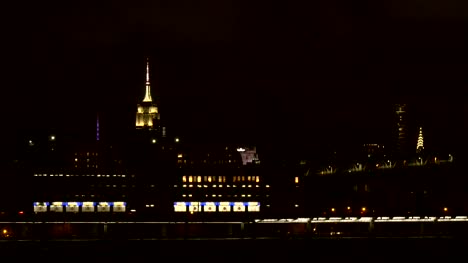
<point>420,144</point>
<point>148,89</point>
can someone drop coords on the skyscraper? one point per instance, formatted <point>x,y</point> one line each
<point>400,146</point>
<point>420,143</point>
<point>147,116</point>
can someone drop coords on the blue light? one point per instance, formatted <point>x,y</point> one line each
<point>110,203</point>
<point>216,203</point>
<point>203,203</point>
<point>231,203</point>
<point>246,203</point>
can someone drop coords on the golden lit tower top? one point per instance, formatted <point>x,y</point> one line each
<point>420,144</point>
<point>148,89</point>
<point>147,112</point>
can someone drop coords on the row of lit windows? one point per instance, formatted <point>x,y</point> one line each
<point>71,175</point>
<point>190,195</point>
<point>87,166</point>
<point>221,179</point>
<point>87,160</point>
<point>87,154</point>
<point>205,161</point>
<point>220,186</point>
<point>108,185</point>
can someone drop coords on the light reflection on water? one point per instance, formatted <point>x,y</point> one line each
<point>329,250</point>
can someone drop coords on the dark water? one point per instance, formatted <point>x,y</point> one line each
<point>316,250</point>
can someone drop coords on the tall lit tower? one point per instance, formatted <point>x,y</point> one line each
<point>147,111</point>
<point>97,128</point>
<point>401,130</point>
<point>420,144</point>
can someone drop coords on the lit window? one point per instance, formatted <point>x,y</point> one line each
<point>243,185</point>
<point>184,179</point>
<point>199,179</point>
<point>267,186</point>
<point>190,179</point>
<point>209,179</point>
<point>248,178</point>
<point>296,179</point>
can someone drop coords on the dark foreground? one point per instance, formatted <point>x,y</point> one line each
<point>239,250</point>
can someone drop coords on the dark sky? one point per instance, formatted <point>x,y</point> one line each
<point>317,72</point>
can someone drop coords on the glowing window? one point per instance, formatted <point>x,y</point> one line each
<point>184,179</point>
<point>296,179</point>
<point>209,179</point>
<point>199,179</point>
<point>190,179</point>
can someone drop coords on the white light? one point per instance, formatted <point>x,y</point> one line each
<point>132,210</point>
<point>240,149</point>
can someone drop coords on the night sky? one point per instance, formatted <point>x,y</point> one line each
<point>310,73</point>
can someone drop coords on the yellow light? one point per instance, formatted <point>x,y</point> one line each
<point>179,155</point>
<point>5,231</point>
<point>363,209</point>
<point>445,209</point>
<point>333,209</point>
<point>296,179</point>
<point>349,208</point>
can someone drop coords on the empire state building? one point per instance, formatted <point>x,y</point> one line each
<point>147,116</point>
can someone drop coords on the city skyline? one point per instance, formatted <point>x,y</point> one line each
<point>256,75</point>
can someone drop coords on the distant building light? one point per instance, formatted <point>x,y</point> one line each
<point>176,139</point>
<point>153,140</point>
<point>52,138</point>
<point>240,149</point>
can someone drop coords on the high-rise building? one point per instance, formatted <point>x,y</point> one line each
<point>400,147</point>
<point>147,116</point>
<point>420,143</point>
